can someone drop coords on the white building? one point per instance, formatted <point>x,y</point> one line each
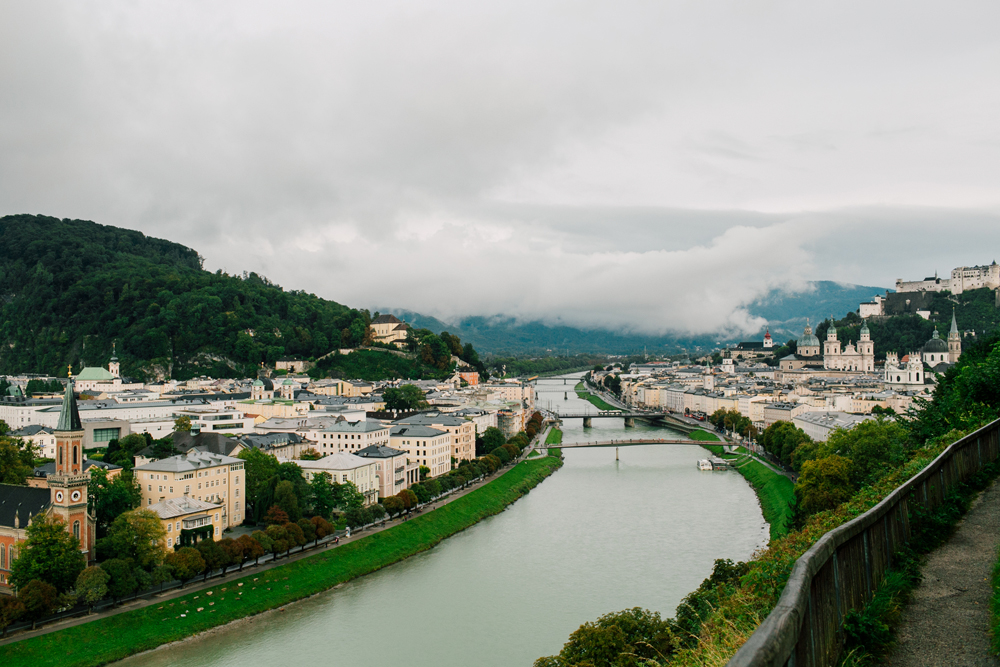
<point>344,467</point>
<point>424,445</point>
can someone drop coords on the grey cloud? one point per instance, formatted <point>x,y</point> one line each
<point>649,166</point>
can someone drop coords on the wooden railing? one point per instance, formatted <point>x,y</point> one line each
<point>843,569</point>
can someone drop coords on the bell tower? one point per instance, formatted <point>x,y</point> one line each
<point>114,367</point>
<point>954,340</point>
<point>68,485</point>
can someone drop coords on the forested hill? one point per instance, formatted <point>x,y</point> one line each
<point>69,288</point>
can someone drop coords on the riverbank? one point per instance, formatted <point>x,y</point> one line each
<point>124,634</point>
<point>598,402</point>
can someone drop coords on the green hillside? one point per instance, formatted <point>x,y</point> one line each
<point>68,288</point>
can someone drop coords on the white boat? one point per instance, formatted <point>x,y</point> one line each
<point>704,464</point>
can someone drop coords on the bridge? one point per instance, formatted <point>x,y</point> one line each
<point>634,441</point>
<point>629,416</point>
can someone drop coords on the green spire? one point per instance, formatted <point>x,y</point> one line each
<point>954,323</point>
<point>69,417</point>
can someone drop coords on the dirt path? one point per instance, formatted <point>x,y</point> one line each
<point>947,621</point>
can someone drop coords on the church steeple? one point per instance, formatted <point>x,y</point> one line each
<point>69,416</point>
<point>954,340</point>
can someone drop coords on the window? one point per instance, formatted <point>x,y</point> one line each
<point>76,529</point>
<point>150,487</point>
<point>3,556</point>
<point>170,541</point>
<point>74,456</point>
<point>216,516</point>
<point>171,489</point>
<point>149,501</point>
<point>187,488</point>
<point>178,525</point>
<point>106,434</point>
<point>170,527</point>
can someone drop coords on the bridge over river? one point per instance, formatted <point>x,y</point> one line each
<point>660,417</point>
<point>633,441</point>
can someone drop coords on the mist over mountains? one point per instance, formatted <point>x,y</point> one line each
<point>786,313</point>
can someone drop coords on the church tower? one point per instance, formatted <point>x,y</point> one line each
<point>954,340</point>
<point>68,485</point>
<point>114,367</point>
<point>768,341</point>
<point>831,346</point>
<point>866,348</point>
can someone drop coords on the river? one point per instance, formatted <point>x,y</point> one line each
<point>598,536</point>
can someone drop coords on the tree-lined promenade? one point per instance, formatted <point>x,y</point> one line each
<point>118,636</point>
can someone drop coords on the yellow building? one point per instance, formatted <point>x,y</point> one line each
<point>187,521</point>
<point>213,478</point>
<point>389,329</point>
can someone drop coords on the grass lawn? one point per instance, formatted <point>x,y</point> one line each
<point>533,454</point>
<point>775,492</point>
<point>596,401</point>
<point>704,436</point>
<point>554,437</point>
<point>115,637</point>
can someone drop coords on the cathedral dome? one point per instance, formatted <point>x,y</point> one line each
<point>808,339</point>
<point>935,344</point>
<point>864,328</point>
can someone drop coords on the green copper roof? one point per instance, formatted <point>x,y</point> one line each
<point>95,373</point>
<point>69,417</point>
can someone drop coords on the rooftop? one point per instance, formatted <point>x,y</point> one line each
<point>191,460</point>
<point>176,507</point>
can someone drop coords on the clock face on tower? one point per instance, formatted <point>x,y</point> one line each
<point>59,496</point>
<point>75,496</point>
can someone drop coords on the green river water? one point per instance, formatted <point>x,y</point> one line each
<point>598,536</point>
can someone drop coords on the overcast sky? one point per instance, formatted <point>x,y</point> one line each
<point>644,165</point>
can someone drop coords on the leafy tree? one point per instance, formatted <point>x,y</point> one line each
<point>186,563</point>
<point>92,586</point>
<point>348,496</point>
<point>275,517</point>
<point>322,494</point>
<point>160,575</point>
<point>404,399</point>
<point>39,599</point>
<point>627,638</point>
<point>17,460</point>
<point>233,550</point>
<point>49,554</point>
<point>263,540</point>
<point>421,491</point>
<point>250,548</point>
<point>214,556</point>
<point>138,536</point>
<point>310,455</point>
<point>393,505</point>
<point>183,423</point>
<point>408,498</point>
<point>122,452</point>
<point>308,529</point>
<point>286,498</point>
<point>122,578</point>
<point>321,527</point>
<point>491,439</point>
<point>109,498</point>
<point>824,484</point>
<point>874,446</point>
<point>296,536</point>
<point>11,610</point>
<point>424,472</point>
<point>279,539</point>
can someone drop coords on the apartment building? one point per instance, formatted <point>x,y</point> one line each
<point>351,437</point>
<point>425,446</point>
<point>214,478</point>
<point>462,430</point>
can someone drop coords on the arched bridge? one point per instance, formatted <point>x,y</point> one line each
<point>629,416</point>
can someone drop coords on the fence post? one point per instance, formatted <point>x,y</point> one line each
<point>868,565</point>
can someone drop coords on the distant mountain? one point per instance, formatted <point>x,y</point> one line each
<point>786,313</point>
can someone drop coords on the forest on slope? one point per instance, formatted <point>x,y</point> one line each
<point>70,288</point>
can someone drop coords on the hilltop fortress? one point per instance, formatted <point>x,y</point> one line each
<point>962,278</point>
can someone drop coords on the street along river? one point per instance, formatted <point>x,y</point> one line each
<point>598,536</point>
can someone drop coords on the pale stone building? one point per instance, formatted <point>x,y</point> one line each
<point>425,446</point>
<point>213,478</point>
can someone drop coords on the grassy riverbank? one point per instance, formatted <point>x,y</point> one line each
<point>596,401</point>
<point>554,437</point>
<point>116,637</point>
<point>705,436</point>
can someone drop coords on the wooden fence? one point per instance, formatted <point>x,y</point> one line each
<point>843,569</point>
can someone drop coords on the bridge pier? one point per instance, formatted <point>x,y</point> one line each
<point>565,395</point>
<point>588,422</point>
<point>564,381</point>
<point>629,422</point>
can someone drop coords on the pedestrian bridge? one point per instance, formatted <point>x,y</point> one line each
<point>662,417</point>
<point>632,441</point>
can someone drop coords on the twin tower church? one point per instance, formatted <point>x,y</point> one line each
<point>64,497</point>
